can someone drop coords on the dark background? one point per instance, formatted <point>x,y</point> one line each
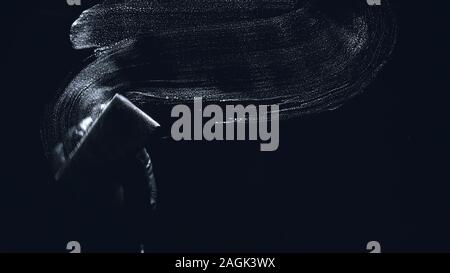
<point>375,169</point>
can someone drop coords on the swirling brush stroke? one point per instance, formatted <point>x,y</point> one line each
<point>305,56</point>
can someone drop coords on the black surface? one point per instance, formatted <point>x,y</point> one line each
<point>375,169</point>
